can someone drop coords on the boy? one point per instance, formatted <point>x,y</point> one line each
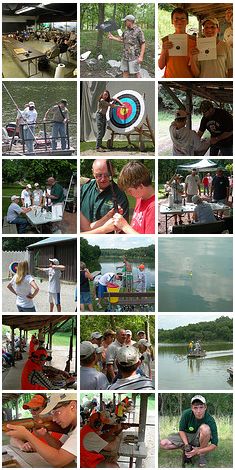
<point>186,142</point>
<point>54,274</point>
<point>141,279</point>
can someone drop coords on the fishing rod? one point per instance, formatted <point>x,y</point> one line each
<point>18,109</point>
<point>114,197</point>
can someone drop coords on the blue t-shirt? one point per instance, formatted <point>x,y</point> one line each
<point>13,211</point>
<point>204,213</point>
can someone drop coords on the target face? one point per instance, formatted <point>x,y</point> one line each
<point>125,120</point>
<point>13,267</point>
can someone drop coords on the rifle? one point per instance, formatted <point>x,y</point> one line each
<point>30,423</point>
<point>70,357</point>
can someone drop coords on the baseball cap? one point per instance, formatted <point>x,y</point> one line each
<point>140,331</point>
<point>129,17</point>
<point>36,184</point>
<point>31,103</point>
<point>128,356</point>
<point>56,398</point>
<point>199,398</point>
<point>128,332</point>
<point>212,19</point>
<point>145,342</point>
<point>141,266</point>
<point>205,106</point>
<point>181,113</point>
<point>28,186</point>
<point>96,335</point>
<point>87,349</point>
<point>64,101</point>
<point>54,260</point>
<point>14,197</point>
<point>35,402</point>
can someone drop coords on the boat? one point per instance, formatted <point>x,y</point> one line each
<point>195,354</point>
<point>230,371</point>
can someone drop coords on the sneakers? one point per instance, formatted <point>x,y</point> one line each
<point>202,460</point>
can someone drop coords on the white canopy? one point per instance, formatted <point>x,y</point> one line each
<point>202,165</point>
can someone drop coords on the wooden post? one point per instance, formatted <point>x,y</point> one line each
<point>50,337</point>
<point>189,107</point>
<point>12,345</point>
<point>142,423</point>
<point>20,339</point>
<point>17,407</point>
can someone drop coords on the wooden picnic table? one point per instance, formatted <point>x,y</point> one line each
<point>131,298</point>
<point>30,56</point>
<point>29,459</point>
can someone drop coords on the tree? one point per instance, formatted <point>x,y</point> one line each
<point>99,43</point>
<point>18,243</point>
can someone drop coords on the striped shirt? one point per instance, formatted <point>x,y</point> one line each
<point>135,382</point>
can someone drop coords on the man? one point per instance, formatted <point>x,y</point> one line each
<point>220,188</point>
<point>54,275</point>
<point>203,213</point>
<point>26,196</point>
<point>60,118</point>
<point>20,121</point>
<point>192,187</point>
<point>128,361</point>
<point>14,212</point>
<point>186,142</point>
<point>219,123</point>
<point>97,196</point>
<point>197,432</point>
<point>56,191</point>
<point>96,338</point>
<point>37,195</point>
<point>133,47</point>
<point>111,354</point>
<point>96,450</point>
<point>90,378</point>
<point>221,67</point>
<point>29,116</point>
<point>141,334</point>
<point>177,66</point>
<point>36,405</point>
<point>129,341</point>
<point>63,408</point>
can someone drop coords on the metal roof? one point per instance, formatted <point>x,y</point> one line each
<point>50,12</point>
<point>52,241</point>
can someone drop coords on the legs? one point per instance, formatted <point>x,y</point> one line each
<point>29,137</point>
<point>167,445</point>
<point>21,224</point>
<point>62,132</point>
<point>101,128</point>
<point>55,133</point>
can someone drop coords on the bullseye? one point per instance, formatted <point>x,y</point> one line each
<point>125,120</point>
<point>13,267</point>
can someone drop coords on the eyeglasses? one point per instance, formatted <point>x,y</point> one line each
<point>100,175</point>
<point>58,410</point>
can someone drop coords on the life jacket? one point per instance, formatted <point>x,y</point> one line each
<point>29,367</point>
<point>88,459</point>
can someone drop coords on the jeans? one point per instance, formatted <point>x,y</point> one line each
<point>21,224</point>
<point>101,128</point>
<point>24,309</point>
<point>58,128</point>
<point>224,151</point>
<point>29,137</point>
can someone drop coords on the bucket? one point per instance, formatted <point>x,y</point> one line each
<point>113,288</point>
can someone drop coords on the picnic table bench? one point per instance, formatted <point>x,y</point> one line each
<point>8,228</point>
<point>131,299</point>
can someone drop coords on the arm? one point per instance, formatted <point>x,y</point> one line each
<point>142,51</point>
<point>61,267</point>
<point>223,136</point>
<point>36,290</point>
<point>88,275</point>
<point>46,114</point>
<point>200,450</point>
<point>122,224</point>
<point>9,286</point>
<point>183,437</point>
<point>114,38</point>
<point>166,45</point>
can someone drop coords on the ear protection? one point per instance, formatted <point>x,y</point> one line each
<point>96,423</point>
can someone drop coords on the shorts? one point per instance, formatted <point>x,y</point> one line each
<point>54,298</point>
<point>130,66</point>
<point>193,439</point>
<point>101,290</point>
<point>85,298</point>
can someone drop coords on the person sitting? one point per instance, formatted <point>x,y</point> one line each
<point>14,214</point>
<point>203,213</point>
<point>54,51</point>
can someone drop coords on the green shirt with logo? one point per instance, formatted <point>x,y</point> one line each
<point>57,190</point>
<point>188,423</point>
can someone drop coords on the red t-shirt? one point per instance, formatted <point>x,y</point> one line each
<point>143,220</point>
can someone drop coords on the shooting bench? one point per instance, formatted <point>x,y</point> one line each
<point>212,227</point>
<point>131,447</point>
<point>8,228</point>
<point>132,299</point>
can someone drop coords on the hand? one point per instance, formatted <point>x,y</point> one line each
<point>194,52</point>
<point>119,221</point>
<point>108,226</point>
<point>27,447</point>
<point>30,296</point>
<point>44,119</point>
<point>20,432</point>
<point>110,36</point>
<point>213,140</point>
<point>167,45</point>
<point>192,453</point>
<point>140,59</point>
<point>40,432</point>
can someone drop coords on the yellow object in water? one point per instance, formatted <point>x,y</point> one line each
<point>190,274</point>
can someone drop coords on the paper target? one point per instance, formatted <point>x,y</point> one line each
<point>125,120</point>
<point>13,267</point>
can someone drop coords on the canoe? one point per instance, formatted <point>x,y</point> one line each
<point>195,355</point>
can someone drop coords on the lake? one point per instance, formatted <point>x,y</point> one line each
<point>45,94</point>
<point>107,265</point>
<point>195,274</point>
<point>177,372</point>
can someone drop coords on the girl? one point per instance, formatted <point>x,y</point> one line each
<point>104,102</point>
<point>22,285</point>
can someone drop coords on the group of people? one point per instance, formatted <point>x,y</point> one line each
<point>217,121</point>
<point>25,288</point>
<point>216,189</point>
<point>26,121</point>
<point>195,346</point>
<point>191,64</point>
<point>11,354</point>
<point>114,361</point>
<point>102,282</point>
<point>104,203</point>
<point>38,198</point>
<point>59,449</point>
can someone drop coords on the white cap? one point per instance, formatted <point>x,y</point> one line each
<point>128,332</point>
<point>36,184</point>
<point>145,342</point>
<point>28,186</point>
<point>14,197</point>
<point>140,331</point>
<point>87,349</point>
<point>199,398</point>
<point>31,103</point>
<point>54,260</point>
<point>55,398</point>
<point>129,17</point>
<point>96,335</point>
<point>128,355</point>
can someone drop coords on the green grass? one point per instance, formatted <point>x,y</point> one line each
<point>112,50</point>
<point>84,146</point>
<point>59,338</point>
<point>161,191</point>
<point>222,457</point>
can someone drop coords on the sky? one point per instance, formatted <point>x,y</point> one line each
<point>169,322</point>
<point>119,241</point>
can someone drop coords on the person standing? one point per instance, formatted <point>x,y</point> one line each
<point>26,196</point>
<point>133,47</point>
<point>37,195</point>
<point>24,287</point>
<point>192,187</point>
<point>29,116</point>
<point>54,273</point>
<point>56,194</point>
<point>219,123</point>
<point>104,102</point>
<point>60,118</point>
<point>85,293</point>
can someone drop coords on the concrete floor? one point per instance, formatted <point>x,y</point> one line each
<point>12,68</point>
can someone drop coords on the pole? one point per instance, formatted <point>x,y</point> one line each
<point>115,203</point>
<point>12,345</point>
<point>17,107</point>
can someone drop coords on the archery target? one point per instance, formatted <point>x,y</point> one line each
<point>125,120</point>
<point>13,267</point>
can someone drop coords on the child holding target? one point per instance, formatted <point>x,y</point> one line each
<point>104,102</point>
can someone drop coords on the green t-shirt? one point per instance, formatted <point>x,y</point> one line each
<point>188,423</point>
<point>57,190</point>
<point>96,204</point>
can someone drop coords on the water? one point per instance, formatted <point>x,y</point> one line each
<point>110,266</point>
<point>45,94</point>
<point>195,275</point>
<point>176,371</point>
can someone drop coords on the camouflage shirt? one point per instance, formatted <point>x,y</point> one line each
<point>132,40</point>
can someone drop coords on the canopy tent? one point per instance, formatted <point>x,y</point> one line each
<point>202,165</point>
<point>90,92</point>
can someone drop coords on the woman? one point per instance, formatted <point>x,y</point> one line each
<point>136,180</point>
<point>22,285</point>
<point>104,102</point>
